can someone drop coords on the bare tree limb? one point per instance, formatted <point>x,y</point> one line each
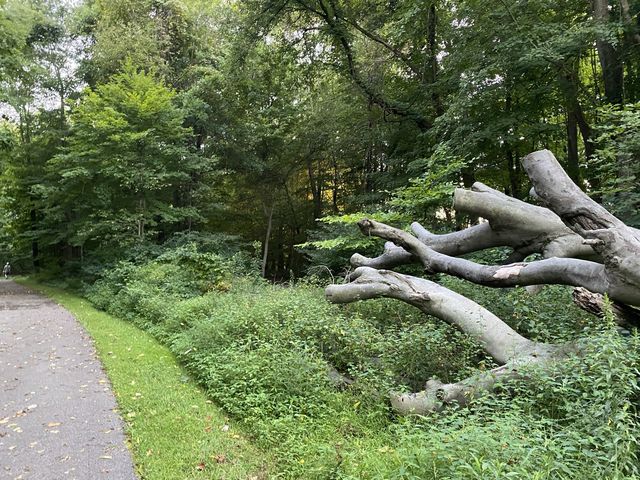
<point>615,242</point>
<point>503,343</point>
<point>512,223</point>
<point>562,271</point>
<point>498,339</point>
<point>393,256</point>
<point>437,395</point>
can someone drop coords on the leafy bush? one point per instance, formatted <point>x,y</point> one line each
<point>578,420</point>
<point>264,353</point>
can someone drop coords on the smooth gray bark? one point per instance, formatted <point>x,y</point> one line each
<point>569,229</point>
<point>617,244</point>
<point>497,338</point>
<point>525,228</point>
<point>563,271</point>
<point>267,237</point>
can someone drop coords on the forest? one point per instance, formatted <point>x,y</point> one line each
<point>207,169</point>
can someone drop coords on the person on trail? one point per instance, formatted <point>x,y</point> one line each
<point>6,270</point>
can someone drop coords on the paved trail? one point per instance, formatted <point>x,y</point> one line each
<point>57,419</point>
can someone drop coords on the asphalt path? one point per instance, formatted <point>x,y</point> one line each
<point>58,415</point>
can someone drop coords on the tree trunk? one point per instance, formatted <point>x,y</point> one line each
<point>265,254</point>
<point>570,85</point>
<point>334,190</point>
<point>612,71</point>
<point>468,178</point>
<point>141,219</point>
<point>35,249</point>
<point>514,174</point>
<point>316,188</point>
<point>571,225</point>
<point>513,167</point>
<point>573,162</point>
<point>433,49</point>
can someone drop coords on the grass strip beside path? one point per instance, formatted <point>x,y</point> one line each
<point>175,432</point>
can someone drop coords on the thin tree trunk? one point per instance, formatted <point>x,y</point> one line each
<point>468,179</point>
<point>575,122</point>
<point>612,71</point>
<point>142,205</point>
<point>514,174</point>
<point>513,166</point>
<point>368,158</point>
<point>573,163</point>
<point>585,130</point>
<point>433,49</point>
<point>334,192</point>
<point>316,189</point>
<point>35,250</point>
<point>265,255</point>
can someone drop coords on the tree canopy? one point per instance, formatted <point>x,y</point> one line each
<point>160,156</point>
<point>259,117</point>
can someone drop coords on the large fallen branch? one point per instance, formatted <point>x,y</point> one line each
<point>564,271</point>
<point>498,339</point>
<point>525,228</point>
<point>583,245</point>
<point>615,242</point>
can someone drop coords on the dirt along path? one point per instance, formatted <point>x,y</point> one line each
<point>57,411</point>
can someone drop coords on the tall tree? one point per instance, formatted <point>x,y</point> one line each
<point>126,157</point>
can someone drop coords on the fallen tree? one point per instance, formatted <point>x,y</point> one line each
<point>581,244</point>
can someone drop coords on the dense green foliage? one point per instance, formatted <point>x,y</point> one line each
<point>168,156</point>
<point>124,166</point>
<point>263,353</point>
<point>617,162</point>
<point>258,117</point>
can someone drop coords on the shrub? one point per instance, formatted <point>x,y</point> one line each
<point>264,352</point>
<point>577,421</point>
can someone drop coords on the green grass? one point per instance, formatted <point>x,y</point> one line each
<point>175,432</point>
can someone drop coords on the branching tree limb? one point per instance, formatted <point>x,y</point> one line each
<point>615,242</point>
<point>498,339</point>
<point>525,228</point>
<point>563,271</point>
<point>582,243</point>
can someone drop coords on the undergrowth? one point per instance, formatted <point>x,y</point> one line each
<point>266,354</point>
<point>174,430</point>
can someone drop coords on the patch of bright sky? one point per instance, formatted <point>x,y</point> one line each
<point>64,56</point>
